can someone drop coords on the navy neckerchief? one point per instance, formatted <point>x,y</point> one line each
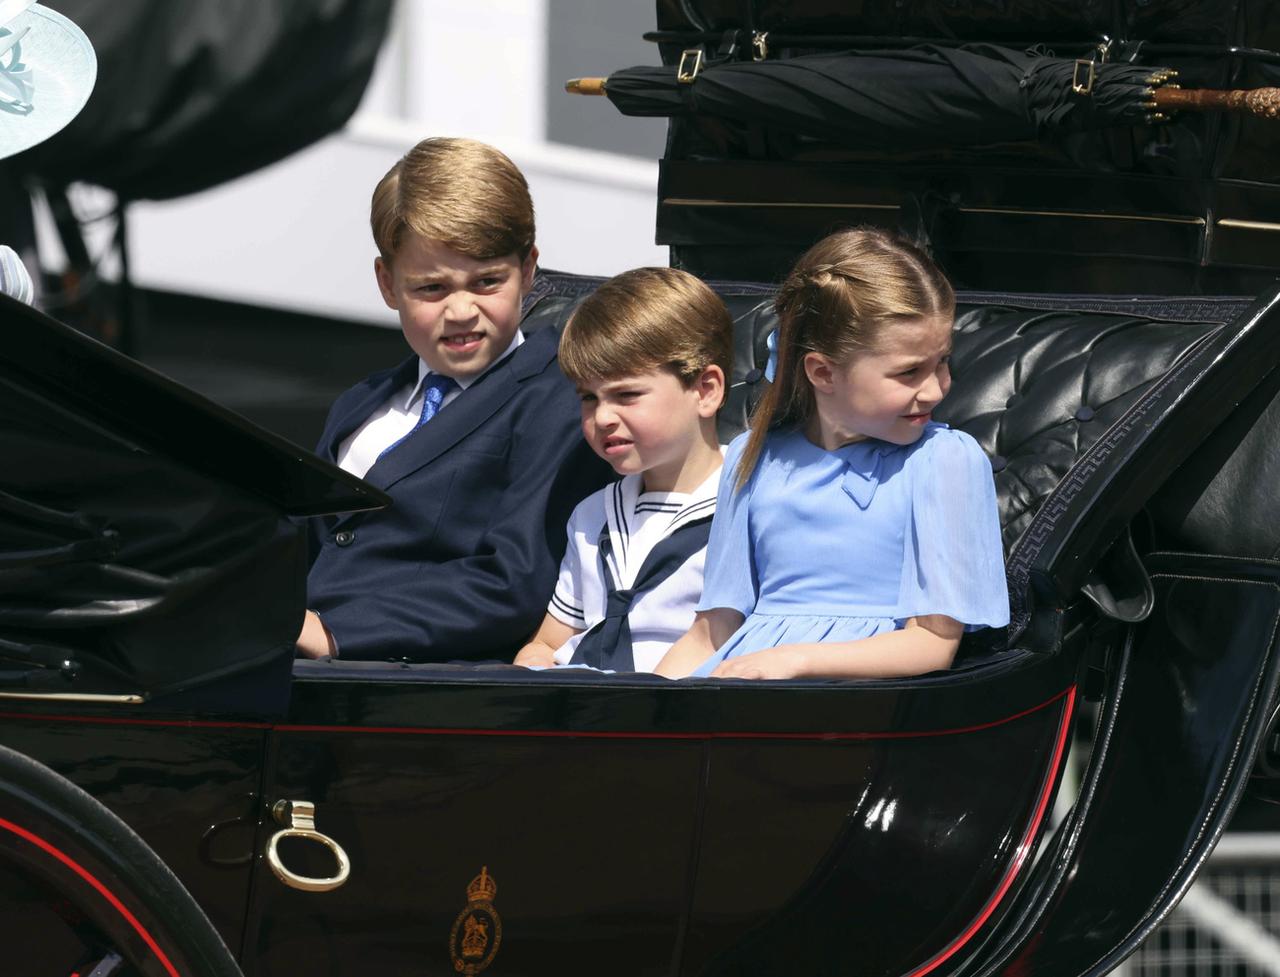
<point>608,643</point>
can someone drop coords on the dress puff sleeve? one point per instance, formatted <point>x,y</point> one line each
<point>954,559</point>
<point>729,579</point>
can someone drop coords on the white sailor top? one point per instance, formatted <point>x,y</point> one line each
<point>632,573</point>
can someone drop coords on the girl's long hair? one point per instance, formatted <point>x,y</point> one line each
<point>840,294</point>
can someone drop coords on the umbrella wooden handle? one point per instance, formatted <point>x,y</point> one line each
<point>585,86</point>
<point>1263,102</point>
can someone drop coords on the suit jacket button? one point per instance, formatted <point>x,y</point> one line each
<point>344,538</point>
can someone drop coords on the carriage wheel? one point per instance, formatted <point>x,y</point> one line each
<point>81,895</point>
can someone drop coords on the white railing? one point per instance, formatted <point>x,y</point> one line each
<point>1228,924</point>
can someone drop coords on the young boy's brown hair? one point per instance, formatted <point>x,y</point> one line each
<point>648,319</point>
<point>649,352</point>
<point>464,194</point>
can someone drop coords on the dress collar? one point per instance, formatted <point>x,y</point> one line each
<point>864,468</point>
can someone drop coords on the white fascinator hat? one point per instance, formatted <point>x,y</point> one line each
<point>47,70</point>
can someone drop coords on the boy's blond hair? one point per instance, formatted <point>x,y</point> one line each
<point>465,194</point>
<point>647,319</point>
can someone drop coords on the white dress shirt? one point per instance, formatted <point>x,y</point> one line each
<point>399,416</point>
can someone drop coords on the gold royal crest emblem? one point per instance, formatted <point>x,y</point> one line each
<point>477,931</point>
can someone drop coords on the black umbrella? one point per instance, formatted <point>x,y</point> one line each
<point>900,100</point>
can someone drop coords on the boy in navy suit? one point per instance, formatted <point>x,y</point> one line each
<point>474,436</point>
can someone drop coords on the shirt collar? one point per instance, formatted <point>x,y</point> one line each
<point>424,371</point>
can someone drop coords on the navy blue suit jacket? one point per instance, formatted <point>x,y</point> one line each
<point>463,562</point>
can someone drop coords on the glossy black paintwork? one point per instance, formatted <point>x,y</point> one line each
<point>49,360</point>
<point>589,843</point>
<point>171,783</point>
<point>753,803</point>
<point>897,810</point>
<point>82,894</point>
<point>673,819</point>
<point>693,771</point>
<point>1188,705</point>
<point>643,827</point>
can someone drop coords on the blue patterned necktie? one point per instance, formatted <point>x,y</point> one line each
<point>434,390</point>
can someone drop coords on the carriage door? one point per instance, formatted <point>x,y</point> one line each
<point>537,828</point>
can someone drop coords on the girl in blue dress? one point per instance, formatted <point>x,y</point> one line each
<point>853,535</point>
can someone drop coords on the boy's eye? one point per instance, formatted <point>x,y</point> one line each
<point>431,288</point>
<point>489,281</point>
<point>587,398</point>
<point>908,371</point>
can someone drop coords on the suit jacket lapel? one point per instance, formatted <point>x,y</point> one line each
<point>473,407</point>
<point>377,395</point>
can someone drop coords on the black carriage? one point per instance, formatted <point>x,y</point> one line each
<point>348,818</point>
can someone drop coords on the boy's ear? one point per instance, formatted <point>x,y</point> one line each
<point>386,282</point>
<point>819,371</point>
<point>527,269</point>
<point>711,391</point>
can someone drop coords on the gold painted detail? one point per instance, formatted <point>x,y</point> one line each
<point>823,204</point>
<point>477,930</point>
<point>1005,211</point>
<point>1245,225</point>
<point>126,699</point>
<point>1001,211</point>
<point>1262,102</point>
<point>587,86</point>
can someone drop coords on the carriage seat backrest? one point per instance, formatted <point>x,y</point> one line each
<point>1035,385</point>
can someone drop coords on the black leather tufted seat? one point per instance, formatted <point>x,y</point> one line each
<point>1036,379</point>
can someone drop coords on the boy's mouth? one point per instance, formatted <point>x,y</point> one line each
<point>922,418</point>
<point>463,341</point>
<point>615,445</point>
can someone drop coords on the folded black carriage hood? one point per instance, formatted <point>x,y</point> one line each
<point>1191,205</point>
<point>143,544</point>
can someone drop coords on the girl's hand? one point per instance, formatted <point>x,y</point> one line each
<point>709,631</point>
<point>787,661</point>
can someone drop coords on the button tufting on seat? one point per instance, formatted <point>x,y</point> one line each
<point>1001,345</point>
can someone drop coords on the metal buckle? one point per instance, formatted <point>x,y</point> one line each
<point>1087,87</point>
<point>759,45</point>
<point>685,73</point>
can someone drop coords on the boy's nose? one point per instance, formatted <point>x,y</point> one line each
<point>459,306</point>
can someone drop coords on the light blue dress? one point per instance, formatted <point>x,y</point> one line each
<point>838,545</point>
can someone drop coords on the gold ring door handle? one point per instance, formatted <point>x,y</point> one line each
<point>299,819</point>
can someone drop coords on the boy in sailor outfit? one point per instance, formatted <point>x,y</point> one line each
<point>649,352</point>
